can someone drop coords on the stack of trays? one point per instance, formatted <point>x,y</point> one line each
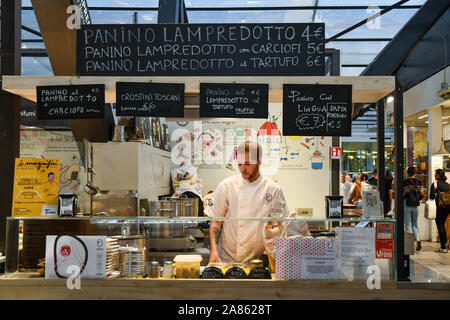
<point>112,255</point>
<point>132,262</point>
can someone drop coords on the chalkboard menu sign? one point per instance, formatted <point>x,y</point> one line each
<point>150,99</point>
<point>231,100</point>
<point>70,102</point>
<point>317,110</point>
<point>290,49</point>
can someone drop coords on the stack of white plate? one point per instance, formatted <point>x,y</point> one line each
<point>112,255</point>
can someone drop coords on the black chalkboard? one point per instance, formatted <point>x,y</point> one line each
<point>70,102</point>
<point>232,100</point>
<point>317,110</point>
<point>264,49</point>
<point>143,99</point>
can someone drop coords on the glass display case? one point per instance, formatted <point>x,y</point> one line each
<point>137,246</point>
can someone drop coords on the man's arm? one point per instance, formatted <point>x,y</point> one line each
<point>214,232</point>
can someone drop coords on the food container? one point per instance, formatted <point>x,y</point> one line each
<point>133,254</point>
<point>132,262</point>
<point>154,271</point>
<point>188,266</point>
<point>167,270</point>
<point>256,263</point>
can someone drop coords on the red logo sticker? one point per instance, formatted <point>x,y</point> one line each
<point>65,251</point>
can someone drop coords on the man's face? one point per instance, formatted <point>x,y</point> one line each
<point>343,178</point>
<point>51,177</point>
<point>248,166</point>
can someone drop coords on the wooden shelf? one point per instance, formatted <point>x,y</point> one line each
<point>365,89</point>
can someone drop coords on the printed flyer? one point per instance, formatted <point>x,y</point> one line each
<point>35,191</point>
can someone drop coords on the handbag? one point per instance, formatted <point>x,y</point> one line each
<point>430,208</point>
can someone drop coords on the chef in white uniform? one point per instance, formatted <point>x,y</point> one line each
<point>246,195</point>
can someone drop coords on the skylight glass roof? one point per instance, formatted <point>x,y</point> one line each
<point>358,47</point>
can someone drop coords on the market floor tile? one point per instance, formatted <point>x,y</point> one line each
<point>429,266</point>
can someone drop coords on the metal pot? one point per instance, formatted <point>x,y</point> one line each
<point>164,228</point>
<point>185,207</point>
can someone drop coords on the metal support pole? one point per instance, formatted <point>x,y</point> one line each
<point>402,260</point>
<point>11,21</point>
<point>380,150</point>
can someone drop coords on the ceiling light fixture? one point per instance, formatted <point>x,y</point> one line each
<point>442,151</point>
<point>444,92</point>
<point>424,116</point>
<point>390,99</point>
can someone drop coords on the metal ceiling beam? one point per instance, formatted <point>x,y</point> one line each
<point>395,52</point>
<point>363,22</point>
<point>100,8</point>
<point>37,33</point>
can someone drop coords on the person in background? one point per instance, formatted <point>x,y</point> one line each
<point>355,193</point>
<point>412,195</point>
<point>345,188</point>
<point>374,179</point>
<point>441,213</point>
<point>388,192</point>
<point>349,178</point>
<point>364,182</point>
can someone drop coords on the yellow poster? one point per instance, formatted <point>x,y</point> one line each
<point>35,188</point>
<point>420,142</point>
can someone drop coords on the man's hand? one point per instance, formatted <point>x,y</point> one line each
<point>214,257</point>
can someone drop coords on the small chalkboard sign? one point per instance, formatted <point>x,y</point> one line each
<point>235,273</point>
<point>232,100</point>
<point>317,110</point>
<point>150,99</point>
<point>70,102</point>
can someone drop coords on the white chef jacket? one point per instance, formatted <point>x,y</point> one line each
<point>242,240</point>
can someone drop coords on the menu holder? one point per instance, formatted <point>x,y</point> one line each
<point>234,100</point>
<point>70,102</point>
<point>334,206</point>
<point>371,204</point>
<point>317,110</point>
<point>141,99</point>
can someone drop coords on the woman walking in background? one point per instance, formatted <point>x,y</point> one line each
<point>412,196</point>
<point>440,186</point>
<point>387,197</point>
